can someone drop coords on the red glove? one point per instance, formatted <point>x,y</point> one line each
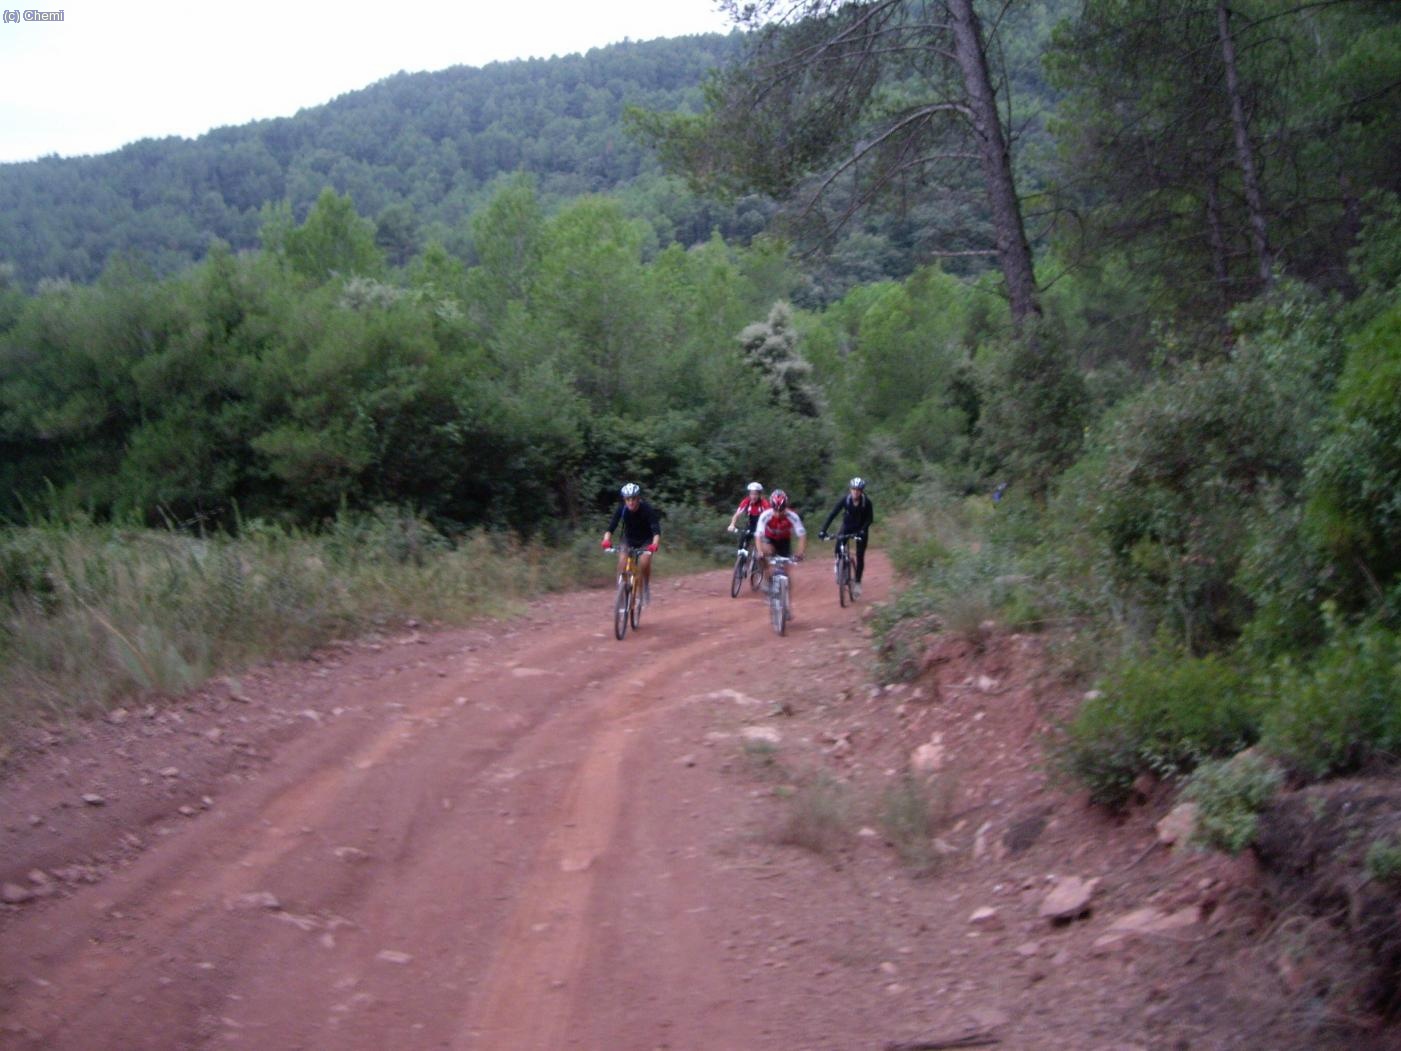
<point>652,546</point>
<point>607,545</point>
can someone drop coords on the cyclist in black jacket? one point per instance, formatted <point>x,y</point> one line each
<point>857,516</point>
<point>641,528</point>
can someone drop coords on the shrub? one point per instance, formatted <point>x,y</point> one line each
<point>911,812</point>
<point>1384,860</point>
<point>1354,506</point>
<point>1230,795</point>
<point>818,817</point>
<point>1342,709</point>
<point>1163,714</point>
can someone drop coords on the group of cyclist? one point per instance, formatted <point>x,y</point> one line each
<point>771,521</point>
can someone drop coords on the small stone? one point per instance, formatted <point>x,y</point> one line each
<point>258,899</point>
<point>393,956</point>
<point>39,877</point>
<point>889,968</point>
<point>188,811</point>
<point>93,799</point>
<point>117,716</point>
<point>985,916</point>
<point>14,894</point>
<point>687,760</point>
<point>1178,825</point>
<point>1029,949</point>
<point>1069,899</point>
<point>171,771</point>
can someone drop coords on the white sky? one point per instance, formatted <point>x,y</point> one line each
<point>114,71</point>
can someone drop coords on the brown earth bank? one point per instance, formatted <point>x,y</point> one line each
<point>528,835</point>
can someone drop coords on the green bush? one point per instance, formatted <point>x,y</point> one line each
<point>1354,481</point>
<point>1341,710</point>
<point>1162,714</point>
<point>1229,795</point>
<point>1384,860</point>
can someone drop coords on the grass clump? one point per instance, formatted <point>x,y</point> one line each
<point>818,817</point>
<point>93,613</point>
<point>1230,795</point>
<point>912,811</point>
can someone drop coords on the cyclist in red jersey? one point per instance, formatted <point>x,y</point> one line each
<point>777,528</point>
<point>752,505</point>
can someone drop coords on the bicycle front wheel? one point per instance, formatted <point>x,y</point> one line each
<point>636,606</point>
<point>756,572</point>
<point>844,594</point>
<point>621,601</point>
<point>778,605</point>
<point>741,571</point>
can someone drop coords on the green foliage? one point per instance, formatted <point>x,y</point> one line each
<point>1230,794</point>
<point>1339,710</point>
<point>418,152</point>
<point>1160,713</point>
<point>1032,403</point>
<point>1185,480</point>
<point>1355,478</point>
<point>333,241</point>
<point>1384,860</point>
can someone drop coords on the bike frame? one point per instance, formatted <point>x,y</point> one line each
<point>627,601</point>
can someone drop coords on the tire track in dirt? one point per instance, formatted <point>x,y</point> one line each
<point>552,719</point>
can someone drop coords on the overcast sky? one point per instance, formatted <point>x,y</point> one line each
<point>114,71</point>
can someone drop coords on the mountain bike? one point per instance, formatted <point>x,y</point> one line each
<point>841,567</point>
<point>747,564</point>
<point>627,601</point>
<point>780,603</point>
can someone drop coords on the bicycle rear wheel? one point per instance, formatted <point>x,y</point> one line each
<point>741,571</point>
<point>621,601</point>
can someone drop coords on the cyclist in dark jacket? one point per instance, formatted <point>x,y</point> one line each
<point>857,516</point>
<point>641,528</point>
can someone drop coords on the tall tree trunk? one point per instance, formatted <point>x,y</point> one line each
<point>1013,250</point>
<point>1245,155</point>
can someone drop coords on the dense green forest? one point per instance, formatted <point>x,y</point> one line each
<point>1136,264</point>
<point>418,153</point>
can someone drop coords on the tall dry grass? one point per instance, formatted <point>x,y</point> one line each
<point>91,614</point>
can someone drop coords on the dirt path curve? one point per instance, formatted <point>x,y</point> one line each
<point>520,836</point>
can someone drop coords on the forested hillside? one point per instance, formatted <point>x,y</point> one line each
<point>417,153</point>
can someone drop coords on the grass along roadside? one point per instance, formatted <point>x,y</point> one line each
<point>94,614</point>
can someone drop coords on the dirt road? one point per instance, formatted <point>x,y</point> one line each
<point>520,836</point>
<point>527,835</point>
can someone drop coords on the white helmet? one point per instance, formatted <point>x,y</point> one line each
<point>856,483</point>
<point>755,487</point>
<point>631,489</point>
